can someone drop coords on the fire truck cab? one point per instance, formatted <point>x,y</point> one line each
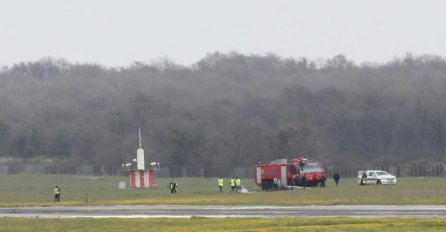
<point>288,174</point>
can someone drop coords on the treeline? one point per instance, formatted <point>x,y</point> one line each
<point>226,109</point>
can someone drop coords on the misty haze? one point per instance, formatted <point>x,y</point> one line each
<point>226,109</point>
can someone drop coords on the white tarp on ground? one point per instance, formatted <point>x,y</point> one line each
<point>242,190</point>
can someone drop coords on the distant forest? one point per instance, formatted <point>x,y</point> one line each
<point>226,109</point>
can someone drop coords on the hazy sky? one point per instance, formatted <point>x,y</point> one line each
<point>116,33</point>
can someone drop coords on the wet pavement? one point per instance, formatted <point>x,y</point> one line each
<point>186,211</point>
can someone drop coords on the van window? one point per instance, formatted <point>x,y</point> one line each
<point>382,173</point>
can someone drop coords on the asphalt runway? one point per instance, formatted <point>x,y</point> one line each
<point>176,211</point>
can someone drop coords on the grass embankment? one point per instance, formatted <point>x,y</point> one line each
<point>229,224</point>
<point>24,190</point>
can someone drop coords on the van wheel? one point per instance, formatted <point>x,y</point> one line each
<point>378,182</point>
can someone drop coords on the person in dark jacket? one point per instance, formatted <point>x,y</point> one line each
<point>296,180</point>
<point>303,181</point>
<point>173,187</point>
<point>322,184</point>
<point>336,178</point>
<point>275,184</point>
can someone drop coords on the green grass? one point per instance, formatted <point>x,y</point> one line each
<point>22,190</point>
<point>227,224</point>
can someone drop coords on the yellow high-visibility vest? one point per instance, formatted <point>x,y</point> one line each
<point>220,182</point>
<point>237,182</point>
<point>232,182</point>
<point>56,191</point>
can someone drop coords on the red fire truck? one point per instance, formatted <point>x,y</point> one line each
<point>288,173</point>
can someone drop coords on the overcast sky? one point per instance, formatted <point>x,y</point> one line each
<point>116,33</point>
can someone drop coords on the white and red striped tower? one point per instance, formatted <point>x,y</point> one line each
<point>142,177</point>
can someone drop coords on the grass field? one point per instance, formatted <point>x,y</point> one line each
<point>22,190</point>
<point>229,224</point>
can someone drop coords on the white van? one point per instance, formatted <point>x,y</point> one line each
<point>377,177</point>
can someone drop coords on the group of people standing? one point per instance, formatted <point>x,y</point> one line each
<point>301,180</point>
<point>234,182</point>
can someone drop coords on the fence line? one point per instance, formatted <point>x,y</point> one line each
<point>347,171</point>
<point>406,170</point>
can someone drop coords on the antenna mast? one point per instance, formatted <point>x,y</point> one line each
<point>139,130</point>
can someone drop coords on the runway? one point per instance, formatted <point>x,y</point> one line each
<point>213,211</point>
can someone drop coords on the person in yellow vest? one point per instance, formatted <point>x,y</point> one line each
<point>220,184</point>
<point>232,183</point>
<point>57,194</point>
<point>238,183</point>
